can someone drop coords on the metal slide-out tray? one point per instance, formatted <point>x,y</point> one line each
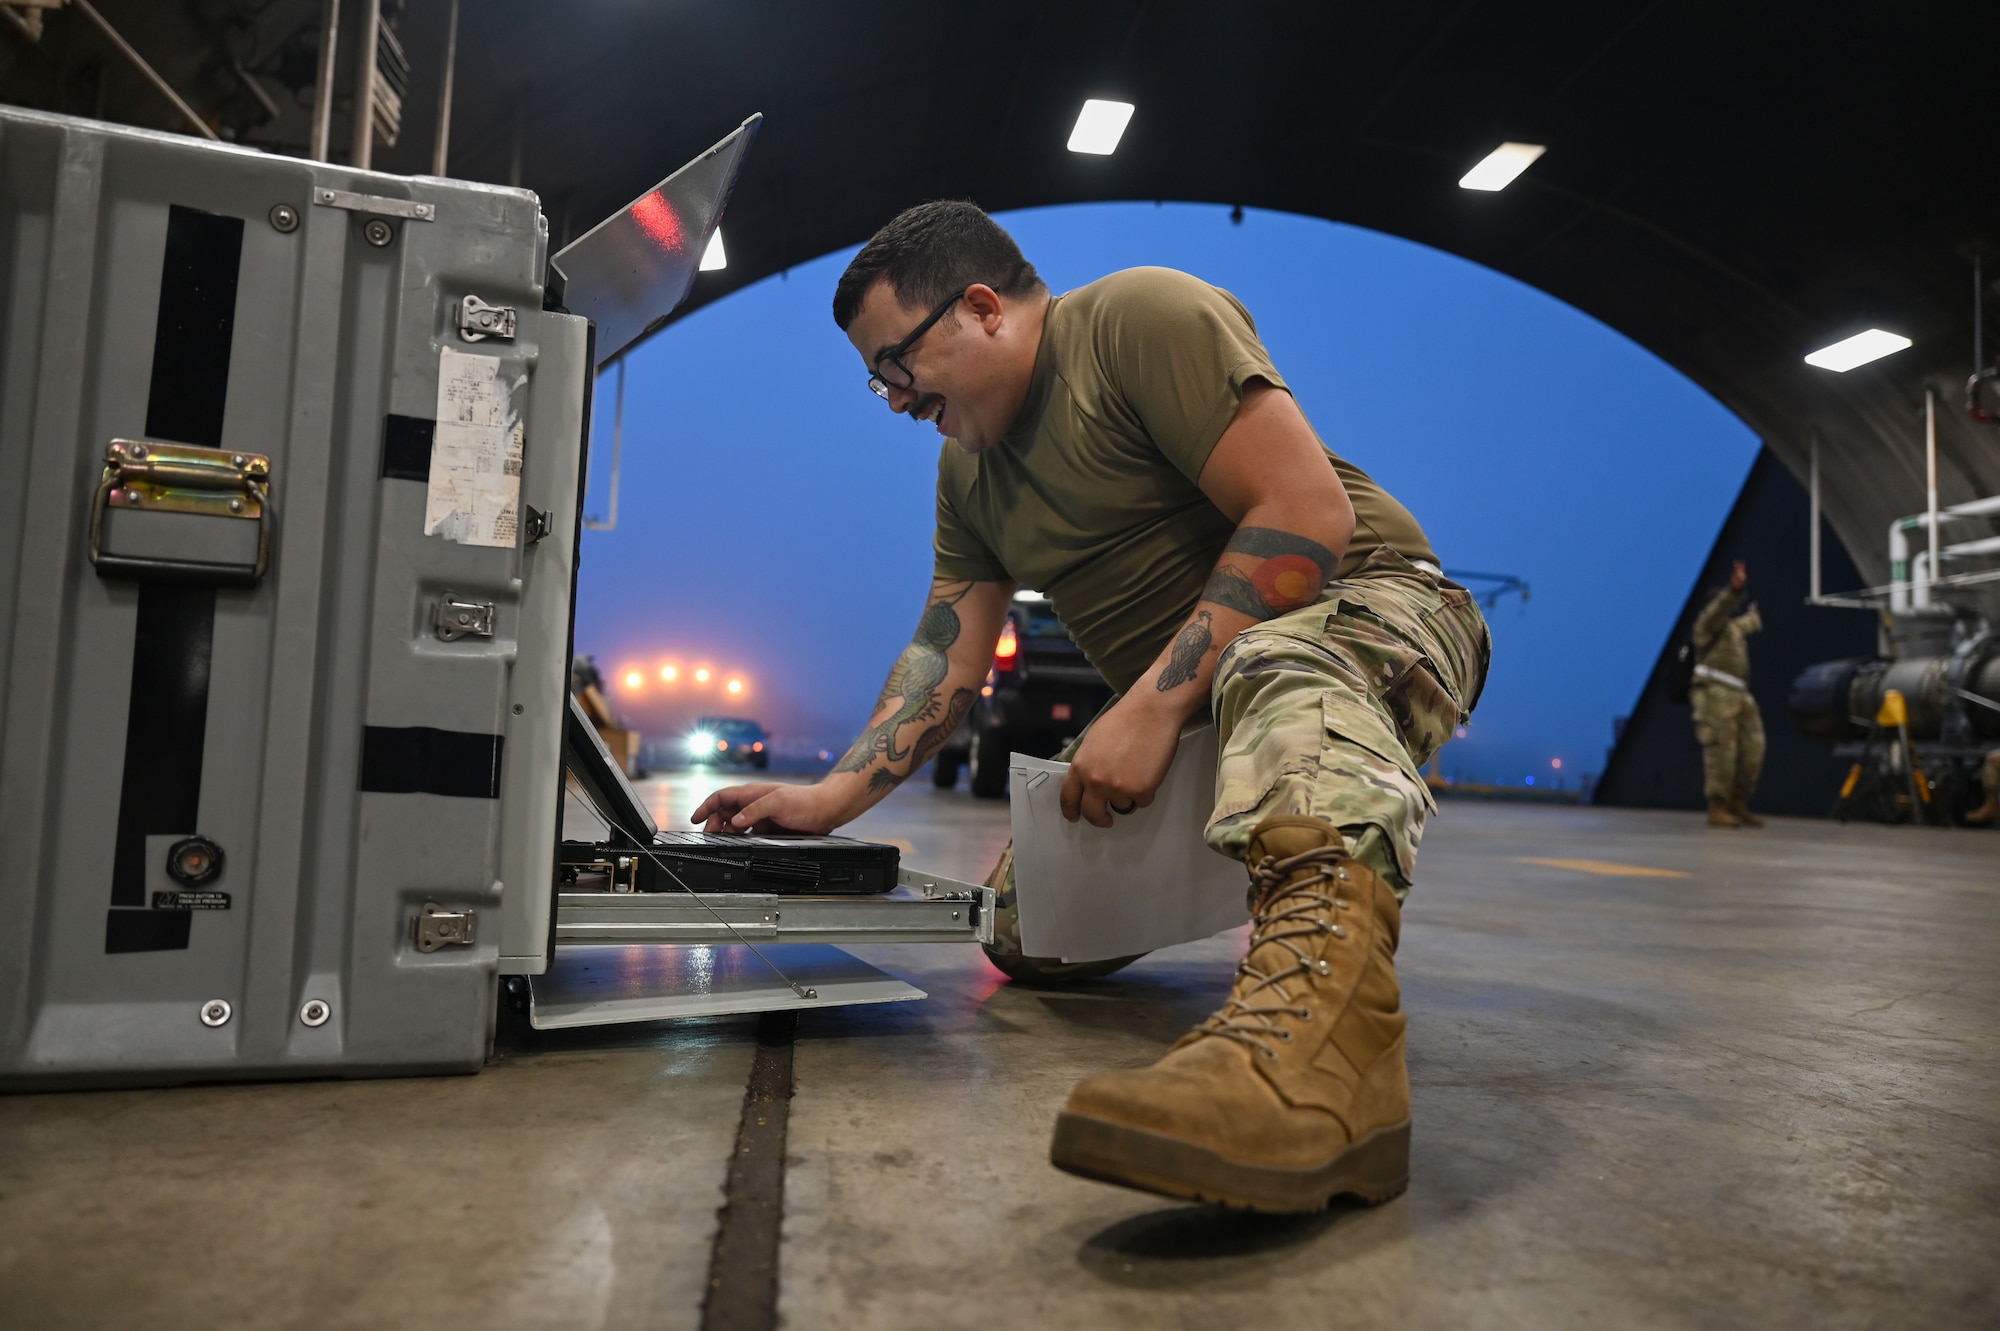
<point>642,956</point>
<point>923,909</point>
<point>606,984</point>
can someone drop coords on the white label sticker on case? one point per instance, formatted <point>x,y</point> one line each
<point>475,485</point>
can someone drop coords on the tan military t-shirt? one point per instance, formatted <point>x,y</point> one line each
<point>1092,497</point>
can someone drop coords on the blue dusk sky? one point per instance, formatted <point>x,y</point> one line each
<point>774,518</point>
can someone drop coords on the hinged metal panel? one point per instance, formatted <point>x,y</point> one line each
<point>629,272</point>
<point>594,985</point>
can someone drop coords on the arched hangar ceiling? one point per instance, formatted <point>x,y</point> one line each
<point>1731,185</point>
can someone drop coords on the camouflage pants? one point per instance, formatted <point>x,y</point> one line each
<point>1332,711</point>
<point>1731,732</point>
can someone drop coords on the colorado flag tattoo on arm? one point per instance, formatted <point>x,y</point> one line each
<point>1289,572</point>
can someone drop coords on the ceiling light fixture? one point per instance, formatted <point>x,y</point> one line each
<point>713,258</point>
<point>1849,352</point>
<point>1099,126</point>
<point>1496,171</point>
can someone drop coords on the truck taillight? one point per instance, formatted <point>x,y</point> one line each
<point>1007,652</point>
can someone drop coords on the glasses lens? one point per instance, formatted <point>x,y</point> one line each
<point>877,387</point>
<point>890,373</point>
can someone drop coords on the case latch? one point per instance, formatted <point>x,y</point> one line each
<point>453,618</point>
<point>435,927</point>
<point>179,513</point>
<point>478,321</point>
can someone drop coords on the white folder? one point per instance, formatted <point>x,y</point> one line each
<point>1148,881</point>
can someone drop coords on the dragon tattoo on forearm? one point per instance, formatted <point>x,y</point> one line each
<point>915,693</point>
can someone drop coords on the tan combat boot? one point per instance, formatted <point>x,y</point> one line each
<point>1295,1092</point>
<point>1740,810</point>
<point>1985,813</point>
<point>1720,815</point>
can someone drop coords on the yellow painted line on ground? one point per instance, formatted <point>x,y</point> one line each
<point>1606,867</point>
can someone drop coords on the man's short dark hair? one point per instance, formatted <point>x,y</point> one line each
<point>930,251</point>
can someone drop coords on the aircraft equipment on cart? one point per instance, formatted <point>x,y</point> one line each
<point>1916,730</point>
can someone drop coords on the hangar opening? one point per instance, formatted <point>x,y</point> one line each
<point>305,799</point>
<point>1456,387</point>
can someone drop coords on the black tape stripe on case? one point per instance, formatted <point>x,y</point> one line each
<point>406,448</point>
<point>147,930</point>
<point>197,322</point>
<point>417,760</point>
<point>166,720</point>
<point>166,724</point>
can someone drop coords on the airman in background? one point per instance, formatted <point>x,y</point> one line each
<point>1989,776</point>
<point>1726,720</point>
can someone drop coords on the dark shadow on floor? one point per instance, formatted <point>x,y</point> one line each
<point>1186,1246</point>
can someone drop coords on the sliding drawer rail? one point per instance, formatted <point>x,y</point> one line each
<point>951,913</point>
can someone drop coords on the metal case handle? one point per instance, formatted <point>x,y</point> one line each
<point>182,478</point>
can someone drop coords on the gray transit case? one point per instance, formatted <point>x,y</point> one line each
<point>290,459</point>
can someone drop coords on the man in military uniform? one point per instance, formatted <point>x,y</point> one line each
<point>1130,449</point>
<point>1726,720</point>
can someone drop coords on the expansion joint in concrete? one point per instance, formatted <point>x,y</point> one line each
<point>743,1267</point>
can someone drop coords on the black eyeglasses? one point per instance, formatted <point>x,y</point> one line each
<point>880,382</point>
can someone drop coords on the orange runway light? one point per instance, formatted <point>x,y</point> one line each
<point>1555,762</point>
<point>669,674</point>
<point>722,746</point>
<point>735,686</point>
<point>701,675</point>
<point>633,679</point>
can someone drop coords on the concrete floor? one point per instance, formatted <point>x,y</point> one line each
<point>1762,1091</point>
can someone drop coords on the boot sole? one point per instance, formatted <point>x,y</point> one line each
<point>1373,1170</point>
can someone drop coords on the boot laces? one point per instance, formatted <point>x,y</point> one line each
<point>1282,911</point>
